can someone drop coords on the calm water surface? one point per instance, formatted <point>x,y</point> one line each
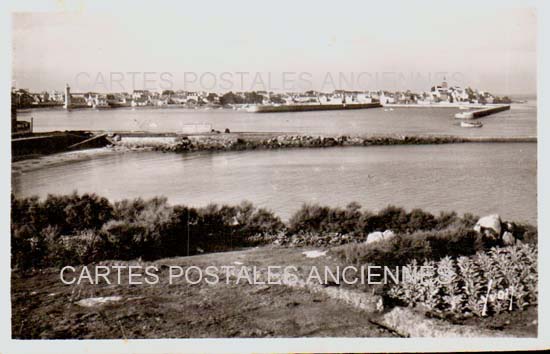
<point>478,178</point>
<point>521,120</point>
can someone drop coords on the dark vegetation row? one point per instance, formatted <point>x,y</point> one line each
<point>81,229</point>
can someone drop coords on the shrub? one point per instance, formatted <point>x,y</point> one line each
<point>309,218</point>
<point>124,238</point>
<point>88,211</point>
<point>421,245</point>
<point>85,247</point>
<point>420,220</point>
<point>445,220</point>
<point>24,251</point>
<point>128,210</point>
<point>68,213</point>
<point>525,233</point>
<point>392,218</point>
<point>263,221</point>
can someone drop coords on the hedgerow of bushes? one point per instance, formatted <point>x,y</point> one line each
<point>351,220</point>
<point>87,228</point>
<point>80,229</point>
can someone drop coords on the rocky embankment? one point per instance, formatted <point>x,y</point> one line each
<point>236,142</point>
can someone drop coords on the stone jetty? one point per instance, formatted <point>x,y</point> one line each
<point>258,141</point>
<point>482,112</point>
<point>310,107</point>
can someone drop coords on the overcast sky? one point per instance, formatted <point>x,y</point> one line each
<point>348,45</point>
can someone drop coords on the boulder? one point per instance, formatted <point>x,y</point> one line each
<point>375,237</point>
<point>490,222</point>
<point>508,239</point>
<point>509,226</point>
<point>329,142</point>
<point>97,301</point>
<point>388,234</point>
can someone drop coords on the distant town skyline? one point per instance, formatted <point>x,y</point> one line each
<point>403,47</point>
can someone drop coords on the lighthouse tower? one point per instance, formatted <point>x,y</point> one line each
<point>444,84</point>
<point>67,104</point>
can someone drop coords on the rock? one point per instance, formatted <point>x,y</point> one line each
<point>388,234</point>
<point>508,239</point>
<point>509,226</point>
<point>380,305</point>
<point>375,237</point>
<point>97,301</point>
<point>314,254</point>
<point>379,236</point>
<point>490,222</point>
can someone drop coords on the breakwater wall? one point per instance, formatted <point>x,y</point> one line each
<point>54,142</point>
<point>482,112</point>
<point>49,143</point>
<point>311,107</point>
<point>236,142</point>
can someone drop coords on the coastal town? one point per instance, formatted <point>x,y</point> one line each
<point>441,94</point>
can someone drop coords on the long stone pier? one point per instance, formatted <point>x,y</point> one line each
<point>310,107</point>
<point>482,112</point>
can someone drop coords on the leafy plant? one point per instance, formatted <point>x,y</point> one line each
<point>500,279</point>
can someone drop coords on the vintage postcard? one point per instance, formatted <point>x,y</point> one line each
<point>320,174</point>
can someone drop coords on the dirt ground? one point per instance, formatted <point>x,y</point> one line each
<point>44,307</point>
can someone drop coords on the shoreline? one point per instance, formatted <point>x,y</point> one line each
<point>39,162</point>
<point>457,105</point>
